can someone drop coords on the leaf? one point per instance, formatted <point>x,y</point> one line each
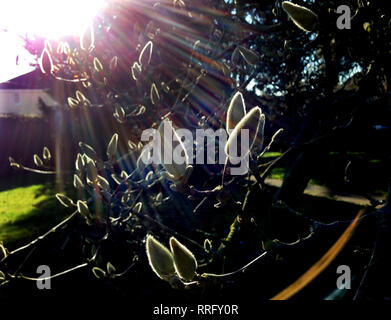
<point>303,17</point>
<point>184,260</point>
<point>160,258</point>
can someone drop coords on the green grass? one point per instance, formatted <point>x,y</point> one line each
<point>25,212</point>
<point>272,154</point>
<point>277,173</point>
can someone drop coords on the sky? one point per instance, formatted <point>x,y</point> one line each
<point>46,18</point>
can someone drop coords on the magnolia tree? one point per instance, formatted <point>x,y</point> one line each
<point>184,76</point>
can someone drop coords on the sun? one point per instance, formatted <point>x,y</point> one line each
<point>48,18</point>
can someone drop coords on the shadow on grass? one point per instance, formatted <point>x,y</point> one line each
<point>44,214</point>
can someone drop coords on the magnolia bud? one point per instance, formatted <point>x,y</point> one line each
<point>77,183</point>
<point>73,103</point>
<point>251,122</point>
<point>38,161</point>
<point>112,146</point>
<point>46,154</point>
<point>236,111</point>
<point>88,150</point>
<point>97,65</point>
<point>250,56</point>
<point>155,97</point>
<point>303,17</point>
<point>64,200</point>
<point>46,62</point>
<point>160,258</point>
<point>171,144</point>
<point>184,260</point>
<point>136,71</point>
<point>82,208</point>
<point>146,54</point>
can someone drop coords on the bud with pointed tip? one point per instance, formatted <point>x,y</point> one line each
<point>110,268</point>
<point>137,207</point>
<point>146,54</point>
<point>103,183</point>
<point>260,138</point>
<point>13,164</point>
<point>119,113</point>
<point>73,103</point>
<point>176,161</point>
<point>38,161</point>
<point>82,208</point>
<point>113,63</point>
<point>136,71</point>
<point>87,40</point>
<point>303,17</point>
<point>3,251</point>
<point>88,150</point>
<point>277,134</point>
<point>77,183</point>
<point>235,56</point>
<point>251,122</point>
<point>92,172</point>
<point>64,200</point>
<point>45,62</point>
<point>98,272</point>
<point>112,146</point>
<point>97,65</point>
<point>155,97</point>
<point>46,154</point>
<point>79,163</point>
<point>80,96</point>
<point>236,111</point>
<point>250,56</point>
<point>160,258</point>
<point>184,260</point>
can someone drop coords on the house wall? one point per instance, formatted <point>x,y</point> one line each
<point>23,101</point>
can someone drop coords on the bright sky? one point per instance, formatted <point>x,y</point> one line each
<point>47,18</point>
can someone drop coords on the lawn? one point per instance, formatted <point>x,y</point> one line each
<point>27,211</point>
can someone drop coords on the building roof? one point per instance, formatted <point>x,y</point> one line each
<point>31,80</point>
